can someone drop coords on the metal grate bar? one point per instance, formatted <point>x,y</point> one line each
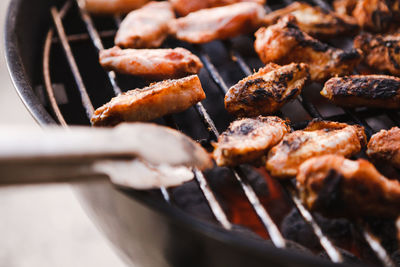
<point>46,68</point>
<point>330,249</point>
<point>209,195</point>
<point>372,241</point>
<point>79,37</point>
<point>72,63</point>
<point>96,40</point>
<point>212,201</point>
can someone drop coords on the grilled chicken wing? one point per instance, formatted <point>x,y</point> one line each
<point>151,63</point>
<point>319,138</point>
<point>218,23</point>
<point>382,52</point>
<point>266,91</point>
<point>184,7</point>
<point>145,27</point>
<point>336,186</point>
<point>344,7</point>
<point>247,140</point>
<point>284,43</point>
<point>385,146</point>
<point>314,20</point>
<point>380,91</point>
<point>376,15</point>
<point>159,99</point>
<point>112,6</point>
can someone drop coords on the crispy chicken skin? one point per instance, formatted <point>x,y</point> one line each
<point>157,100</point>
<point>154,64</point>
<point>267,90</point>
<point>379,91</point>
<point>344,7</point>
<point>385,146</point>
<point>314,20</point>
<point>184,7</point>
<point>247,140</point>
<point>319,138</point>
<point>336,186</point>
<point>382,52</point>
<point>112,6</point>
<point>218,23</point>
<point>284,43</point>
<point>145,27</point>
<point>376,15</point>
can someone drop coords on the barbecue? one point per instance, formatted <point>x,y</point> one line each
<point>255,193</point>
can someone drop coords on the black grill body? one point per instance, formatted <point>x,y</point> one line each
<point>142,226</point>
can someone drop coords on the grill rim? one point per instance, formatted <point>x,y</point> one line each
<point>43,117</point>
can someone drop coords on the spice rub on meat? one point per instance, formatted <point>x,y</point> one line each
<point>154,64</point>
<point>382,52</point>
<point>157,100</point>
<point>284,43</point>
<point>146,27</point>
<point>267,90</point>
<point>184,7</point>
<point>385,146</point>
<point>224,22</point>
<point>248,140</point>
<point>112,6</point>
<point>336,186</point>
<point>319,138</point>
<point>376,15</point>
<point>379,91</point>
<point>314,20</point>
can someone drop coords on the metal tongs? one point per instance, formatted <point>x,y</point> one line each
<point>136,155</point>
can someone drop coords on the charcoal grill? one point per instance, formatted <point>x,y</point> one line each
<point>75,83</point>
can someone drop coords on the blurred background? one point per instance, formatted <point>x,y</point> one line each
<point>43,225</point>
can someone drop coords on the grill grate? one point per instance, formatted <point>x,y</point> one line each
<point>272,229</point>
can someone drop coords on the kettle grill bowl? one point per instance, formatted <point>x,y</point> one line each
<point>146,230</point>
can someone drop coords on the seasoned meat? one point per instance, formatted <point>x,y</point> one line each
<point>385,146</point>
<point>184,7</point>
<point>380,91</point>
<point>151,63</point>
<point>267,90</point>
<point>382,52</point>
<point>336,186</point>
<point>344,7</point>
<point>319,138</point>
<point>284,43</point>
<point>157,100</point>
<point>314,20</point>
<point>112,6</point>
<point>376,15</point>
<point>145,27</point>
<point>218,23</point>
<point>248,140</point>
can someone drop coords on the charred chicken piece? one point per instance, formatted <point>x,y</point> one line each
<point>112,7</point>
<point>267,90</point>
<point>284,43</point>
<point>382,52</point>
<point>184,7</point>
<point>248,140</point>
<point>157,100</point>
<point>145,27</point>
<point>154,64</point>
<point>376,15</point>
<point>379,91</point>
<point>344,7</point>
<point>314,20</point>
<point>336,186</point>
<point>218,23</point>
<point>385,146</point>
<point>319,138</point>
